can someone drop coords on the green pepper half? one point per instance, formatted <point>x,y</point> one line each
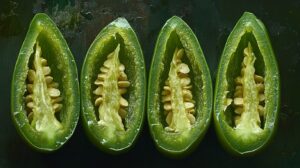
<point>180,90</point>
<point>45,100</point>
<point>113,88</point>
<point>247,90</point>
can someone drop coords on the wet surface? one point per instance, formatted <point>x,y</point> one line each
<point>211,20</point>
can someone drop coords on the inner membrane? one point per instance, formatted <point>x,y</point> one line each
<point>177,97</point>
<point>43,98</point>
<point>248,99</point>
<point>112,83</point>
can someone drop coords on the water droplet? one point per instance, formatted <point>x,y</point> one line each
<point>90,123</point>
<point>21,124</point>
<point>103,141</point>
<point>59,143</point>
<point>67,137</point>
<point>153,125</point>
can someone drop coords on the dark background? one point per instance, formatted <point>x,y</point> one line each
<point>211,20</point>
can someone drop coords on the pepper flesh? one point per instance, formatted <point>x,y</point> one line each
<point>186,132</point>
<point>34,89</point>
<point>122,97</point>
<point>255,103</point>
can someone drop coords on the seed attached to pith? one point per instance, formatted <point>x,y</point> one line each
<point>41,83</point>
<point>249,94</point>
<point>177,98</point>
<point>111,84</point>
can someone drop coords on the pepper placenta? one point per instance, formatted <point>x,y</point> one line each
<point>247,89</point>
<point>45,100</point>
<point>179,91</point>
<point>113,88</point>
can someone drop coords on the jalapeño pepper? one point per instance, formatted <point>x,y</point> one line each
<point>247,89</point>
<point>113,88</point>
<point>45,100</point>
<point>180,90</point>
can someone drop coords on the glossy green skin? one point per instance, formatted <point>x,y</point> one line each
<point>178,144</point>
<point>227,136</point>
<point>64,71</point>
<point>132,57</point>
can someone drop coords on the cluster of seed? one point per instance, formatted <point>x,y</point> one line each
<point>123,84</point>
<point>185,82</point>
<point>52,88</point>
<point>238,100</point>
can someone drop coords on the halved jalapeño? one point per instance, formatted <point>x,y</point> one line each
<point>180,90</point>
<point>247,88</point>
<point>45,100</point>
<point>113,88</point>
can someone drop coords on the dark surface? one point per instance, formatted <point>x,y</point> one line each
<point>211,21</point>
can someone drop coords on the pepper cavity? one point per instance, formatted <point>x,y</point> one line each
<point>112,83</point>
<point>43,98</point>
<point>177,97</point>
<point>248,99</point>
